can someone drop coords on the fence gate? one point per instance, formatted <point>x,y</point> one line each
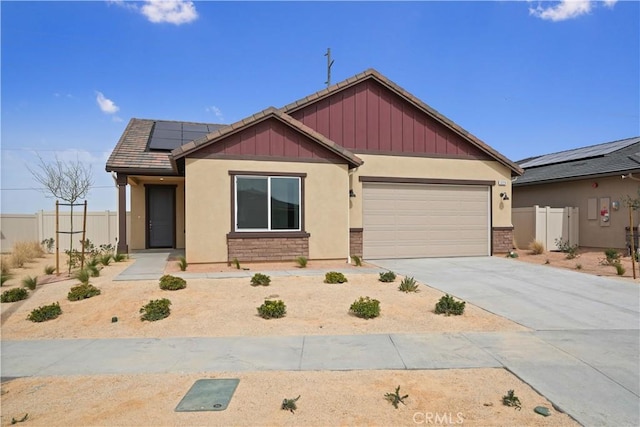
<point>546,225</point>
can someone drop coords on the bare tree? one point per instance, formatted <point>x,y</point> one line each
<point>67,181</point>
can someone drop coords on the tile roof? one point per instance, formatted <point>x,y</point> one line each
<point>374,74</point>
<point>270,112</point>
<point>611,158</point>
<point>131,154</point>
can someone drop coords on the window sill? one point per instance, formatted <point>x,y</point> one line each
<point>266,234</point>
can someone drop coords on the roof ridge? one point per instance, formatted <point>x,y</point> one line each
<point>580,148</point>
<point>409,97</point>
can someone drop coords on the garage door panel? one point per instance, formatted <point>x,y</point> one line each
<point>413,220</point>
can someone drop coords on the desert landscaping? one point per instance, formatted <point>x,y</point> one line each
<point>227,307</point>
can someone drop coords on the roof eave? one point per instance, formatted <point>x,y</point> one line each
<point>266,114</point>
<point>516,183</point>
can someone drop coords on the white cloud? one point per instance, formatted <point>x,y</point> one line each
<point>172,11</point>
<point>106,105</point>
<point>216,112</point>
<point>566,9</point>
<point>158,11</point>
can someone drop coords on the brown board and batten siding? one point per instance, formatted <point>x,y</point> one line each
<point>268,139</point>
<point>369,118</point>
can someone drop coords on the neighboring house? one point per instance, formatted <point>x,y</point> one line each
<point>595,179</point>
<point>360,168</point>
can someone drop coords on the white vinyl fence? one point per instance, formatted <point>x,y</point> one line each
<point>546,225</point>
<point>102,228</point>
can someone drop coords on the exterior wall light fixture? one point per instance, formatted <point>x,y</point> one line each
<point>504,196</point>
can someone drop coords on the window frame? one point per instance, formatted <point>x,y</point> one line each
<point>268,232</point>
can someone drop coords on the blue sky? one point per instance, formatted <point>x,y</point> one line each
<point>526,77</point>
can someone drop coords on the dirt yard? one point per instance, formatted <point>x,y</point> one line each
<point>588,260</point>
<point>227,307</point>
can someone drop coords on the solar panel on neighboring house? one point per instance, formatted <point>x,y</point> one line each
<point>579,153</point>
<point>167,136</point>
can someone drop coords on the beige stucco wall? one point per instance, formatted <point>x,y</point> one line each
<point>418,167</point>
<point>208,206</point>
<point>577,194</point>
<point>138,209</point>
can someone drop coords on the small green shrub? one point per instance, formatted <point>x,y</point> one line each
<point>612,256</point>
<point>105,259</point>
<point>447,306</point>
<point>365,308</point>
<point>387,277</point>
<point>510,399</point>
<point>408,284</point>
<point>571,251</point>
<point>30,282</point>
<point>290,404</point>
<point>302,261</point>
<point>156,309</point>
<point>512,254</point>
<point>395,398</point>
<point>260,279</point>
<point>334,277</point>
<point>182,263</point>
<point>13,295</point>
<point>236,263</point>
<point>92,266</point>
<point>83,276</point>
<point>49,269</point>
<point>271,309</point>
<point>4,277</point>
<point>118,257</point>
<point>357,260</point>
<point>83,291</point>
<point>45,312</point>
<point>536,247</point>
<point>620,270</point>
<point>172,283</point>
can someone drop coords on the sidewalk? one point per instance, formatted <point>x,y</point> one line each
<point>592,374</point>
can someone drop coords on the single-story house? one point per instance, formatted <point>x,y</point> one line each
<point>596,179</point>
<point>359,168</point>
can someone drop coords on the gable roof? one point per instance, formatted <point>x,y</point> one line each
<point>420,105</point>
<point>271,112</point>
<point>131,154</point>
<point>607,159</point>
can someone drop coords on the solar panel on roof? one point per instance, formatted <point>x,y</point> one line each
<point>168,125</point>
<point>580,153</point>
<point>167,136</point>
<point>190,127</point>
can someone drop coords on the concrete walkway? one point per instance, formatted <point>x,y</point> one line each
<point>582,352</point>
<point>149,265</point>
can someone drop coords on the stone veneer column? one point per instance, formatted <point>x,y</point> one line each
<point>502,241</point>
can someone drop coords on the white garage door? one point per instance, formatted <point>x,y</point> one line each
<point>420,220</point>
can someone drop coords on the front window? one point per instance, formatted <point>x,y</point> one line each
<point>269,203</point>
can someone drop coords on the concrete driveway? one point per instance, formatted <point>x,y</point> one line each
<point>583,352</point>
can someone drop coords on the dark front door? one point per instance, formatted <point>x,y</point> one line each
<point>161,216</point>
